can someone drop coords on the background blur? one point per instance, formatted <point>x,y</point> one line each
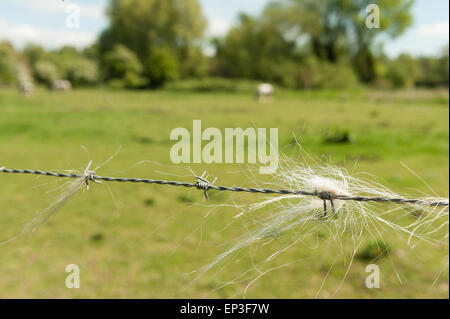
<point>126,72</point>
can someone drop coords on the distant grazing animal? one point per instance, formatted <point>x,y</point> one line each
<point>26,88</point>
<point>25,81</point>
<point>61,85</point>
<point>264,92</point>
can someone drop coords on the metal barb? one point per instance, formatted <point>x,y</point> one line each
<point>326,196</point>
<point>89,176</point>
<point>204,184</point>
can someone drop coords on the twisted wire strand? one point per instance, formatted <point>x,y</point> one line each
<point>204,185</point>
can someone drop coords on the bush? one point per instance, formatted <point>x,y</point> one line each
<point>161,66</point>
<point>35,53</point>
<point>129,81</point>
<point>45,72</point>
<point>122,68</point>
<point>433,72</point>
<point>338,76</point>
<point>284,73</point>
<point>213,84</point>
<point>82,72</point>
<point>8,65</point>
<point>317,74</point>
<point>402,72</point>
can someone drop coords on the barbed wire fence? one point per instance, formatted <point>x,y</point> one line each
<point>204,185</point>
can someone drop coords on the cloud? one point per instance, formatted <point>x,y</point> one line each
<point>19,35</point>
<point>54,7</point>
<point>218,26</point>
<point>433,30</point>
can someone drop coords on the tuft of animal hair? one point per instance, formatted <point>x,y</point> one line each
<point>66,192</point>
<point>305,216</point>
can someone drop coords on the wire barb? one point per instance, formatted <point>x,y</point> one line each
<point>326,196</point>
<point>89,176</point>
<point>204,184</point>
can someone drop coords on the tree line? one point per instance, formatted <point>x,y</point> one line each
<point>299,44</point>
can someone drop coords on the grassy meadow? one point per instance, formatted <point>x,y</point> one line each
<point>143,241</point>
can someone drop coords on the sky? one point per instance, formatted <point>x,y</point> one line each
<point>44,22</point>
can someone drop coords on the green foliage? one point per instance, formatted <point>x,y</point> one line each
<point>298,44</point>
<point>45,72</point>
<point>444,70</point>
<point>213,84</point>
<point>82,72</point>
<point>119,62</point>
<point>122,68</point>
<point>433,71</point>
<point>316,74</point>
<point>161,66</point>
<point>92,52</point>
<point>66,62</point>
<point>8,64</point>
<point>402,72</point>
<point>34,53</point>
<point>337,28</point>
<point>143,25</point>
<point>255,49</point>
<point>267,47</point>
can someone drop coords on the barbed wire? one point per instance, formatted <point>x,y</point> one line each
<point>203,184</point>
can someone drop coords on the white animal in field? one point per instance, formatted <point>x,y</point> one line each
<point>264,92</point>
<point>61,85</point>
<point>26,88</point>
<point>25,81</point>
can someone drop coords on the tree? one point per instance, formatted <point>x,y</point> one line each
<point>337,27</point>
<point>434,71</point>
<point>403,71</point>
<point>122,67</point>
<point>144,26</point>
<point>161,67</point>
<point>444,66</point>
<point>34,52</point>
<point>255,48</point>
<point>8,64</point>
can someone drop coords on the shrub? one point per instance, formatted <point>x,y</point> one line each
<point>8,65</point>
<point>35,53</point>
<point>214,84</point>
<point>161,66</point>
<point>120,63</point>
<point>82,72</point>
<point>45,72</point>
<point>317,74</point>
<point>402,72</point>
<point>284,73</point>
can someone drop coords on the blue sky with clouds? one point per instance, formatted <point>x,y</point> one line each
<point>43,21</point>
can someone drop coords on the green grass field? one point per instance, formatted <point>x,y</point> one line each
<point>142,241</point>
